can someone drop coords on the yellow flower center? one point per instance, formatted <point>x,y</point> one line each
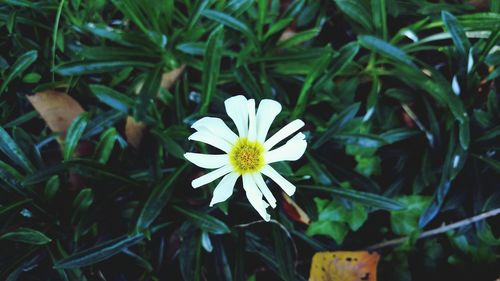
<point>246,156</point>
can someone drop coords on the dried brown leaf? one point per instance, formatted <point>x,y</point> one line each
<point>58,109</point>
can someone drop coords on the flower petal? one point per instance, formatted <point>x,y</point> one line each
<point>287,186</point>
<point>255,197</point>
<point>264,189</point>
<point>211,139</point>
<point>284,132</point>
<point>292,150</point>
<point>267,112</point>
<point>224,189</point>
<point>252,126</point>
<point>217,127</point>
<point>207,161</point>
<point>210,177</point>
<point>237,109</point>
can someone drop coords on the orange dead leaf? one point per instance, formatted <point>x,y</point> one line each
<point>57,109</point>
<point>133,129</point>
<point>168,79</point>
<point>344,266</point>
<point>294,211</point>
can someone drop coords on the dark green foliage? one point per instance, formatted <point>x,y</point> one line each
<point>401,105</point>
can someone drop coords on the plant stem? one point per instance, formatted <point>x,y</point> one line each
<point>439,230</point>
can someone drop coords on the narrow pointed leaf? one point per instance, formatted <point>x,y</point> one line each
<point>99,252</point>
<point>21,64</point>
<point>75,132</point>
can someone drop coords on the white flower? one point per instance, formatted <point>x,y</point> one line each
<point>247,154</point>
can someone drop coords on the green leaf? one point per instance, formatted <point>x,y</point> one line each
<point>364,140</point>
<point>26,235</point>
<point>490,134</point>
<point>405,222</point>
<point>340,62</point>
<point>464,134</point>
<point>222,265</point>
<point>10,175</point>
<point>247,80</point>
<point>492,163</point>
<point>339,122</point>
<point>211,67</point>
<point>294,9</point>
<point>195,16</point>
<point>188,250</point>
<point>379,13</point>
<point>398,134</point>
<point>368,199</point>
<point>112,98</point>
<point>13,206</point>
<point>171,146</point>
<point>103,121</point>
<point>149,90</point>
<point>492,103</point>
<point>105,145</point>
<point>83,200</point>
<point>94,169</point>
<point>14,152</point>
<point>336,230</point>
<point>354,215</point>
<point>436,86</point>
<point>457,33</point>
<point>299,38</point>
<point>22,63</point>
<point>91,67</point>
<point>196,48</point>
<point>158,199</point>
<point>32,78</point>
<point>204,221</point>
<point>22,119</point>
<point>230,22</point>
<point>283,253</point>
<point>107,32</point>
<point>52,187</point>
<point>385,49</point>
<point>278,26</point>
<point>99,252</point>
<point>75,132</point>
<point>302,100</point>
<point>356,11</point>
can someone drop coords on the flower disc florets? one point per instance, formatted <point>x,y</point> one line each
<point>247,156</point>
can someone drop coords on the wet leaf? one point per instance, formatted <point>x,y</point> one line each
<point>344,266</point>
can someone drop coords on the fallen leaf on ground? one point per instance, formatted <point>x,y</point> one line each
<point>58,109</point>
<point>344,266</point>
<point>168,79</point>
<point>134,131</point>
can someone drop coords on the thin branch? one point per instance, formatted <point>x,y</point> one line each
<point>439,230</point>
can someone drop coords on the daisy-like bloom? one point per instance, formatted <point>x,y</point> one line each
<point>247,154</point>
